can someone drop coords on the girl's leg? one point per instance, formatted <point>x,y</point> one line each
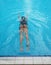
<point>27,39</point>
<point>21,38</point>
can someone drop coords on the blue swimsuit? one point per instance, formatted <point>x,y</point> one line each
<point>23,22</point>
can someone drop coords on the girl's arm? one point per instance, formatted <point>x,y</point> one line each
<point>19,17</point>
<point>26,17</point>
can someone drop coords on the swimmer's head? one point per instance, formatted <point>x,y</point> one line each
<point>23,18</point>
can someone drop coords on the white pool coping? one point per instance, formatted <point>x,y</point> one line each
<point>25,60</point>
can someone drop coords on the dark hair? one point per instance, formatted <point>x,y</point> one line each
<point>23,17</point>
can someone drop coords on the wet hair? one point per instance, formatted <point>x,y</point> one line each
<point>23,17</point>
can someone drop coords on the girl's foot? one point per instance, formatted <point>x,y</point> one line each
<point>27,47</point>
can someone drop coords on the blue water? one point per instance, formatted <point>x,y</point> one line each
<point>39,27</point>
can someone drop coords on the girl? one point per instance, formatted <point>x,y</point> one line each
<point>23,29</point>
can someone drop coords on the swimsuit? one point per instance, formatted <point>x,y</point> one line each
<point>23,24</point>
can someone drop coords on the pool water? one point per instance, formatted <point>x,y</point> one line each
<point>39,27</point>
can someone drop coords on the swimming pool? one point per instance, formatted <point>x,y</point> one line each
<point>39,27</point>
